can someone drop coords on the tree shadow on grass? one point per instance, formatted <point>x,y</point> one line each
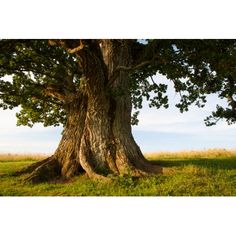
<point>217,163</point>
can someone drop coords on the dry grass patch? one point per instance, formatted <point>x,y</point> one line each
<point>210,153</point>
<point>22,157</point>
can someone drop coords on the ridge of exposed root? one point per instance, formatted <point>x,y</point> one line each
<point>32,167</point>
<point>46,171</point>
<point>144,169</point>
<point>49,169</point>
<point>152,168</point>
<point>100,177</point>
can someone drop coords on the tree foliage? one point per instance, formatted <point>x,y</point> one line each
<point>43,71</point>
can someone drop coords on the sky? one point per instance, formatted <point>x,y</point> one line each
<point>158,130</point>
<point>170,130</point>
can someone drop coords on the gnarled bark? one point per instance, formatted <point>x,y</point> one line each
<point>97,137</point>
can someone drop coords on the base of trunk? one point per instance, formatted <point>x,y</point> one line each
<point>50,169</point>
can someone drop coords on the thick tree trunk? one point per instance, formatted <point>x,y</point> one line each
<point>97,137</point>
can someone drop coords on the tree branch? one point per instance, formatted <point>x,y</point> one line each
<point>130,68</point>
<point>231,102</point>
<point>52,91</point>
<point>153,80</point>
<point>76,49</point>
<point>63,44</point>
<point>138,66</point>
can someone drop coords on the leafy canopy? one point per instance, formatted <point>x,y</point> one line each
<point>42,73</point>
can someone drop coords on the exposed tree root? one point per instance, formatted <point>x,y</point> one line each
<point>49,169</point>
<point>44,171</point>
<point>86,163</point>
<point>151,168</point>
<point>32,167</point>
<point>145,170</point>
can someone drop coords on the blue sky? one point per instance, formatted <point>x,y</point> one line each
<point>170,130</point>
<point>158,130</point>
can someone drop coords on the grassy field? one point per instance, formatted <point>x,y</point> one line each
<point>203,173</point>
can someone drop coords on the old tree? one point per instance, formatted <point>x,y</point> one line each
<point>90,86</point>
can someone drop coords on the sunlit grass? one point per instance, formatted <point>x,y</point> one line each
<point>195,173</point>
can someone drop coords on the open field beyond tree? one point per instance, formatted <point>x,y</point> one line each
<point>194,173</point>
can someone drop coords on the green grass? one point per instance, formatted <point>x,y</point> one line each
<point>209,173</point>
